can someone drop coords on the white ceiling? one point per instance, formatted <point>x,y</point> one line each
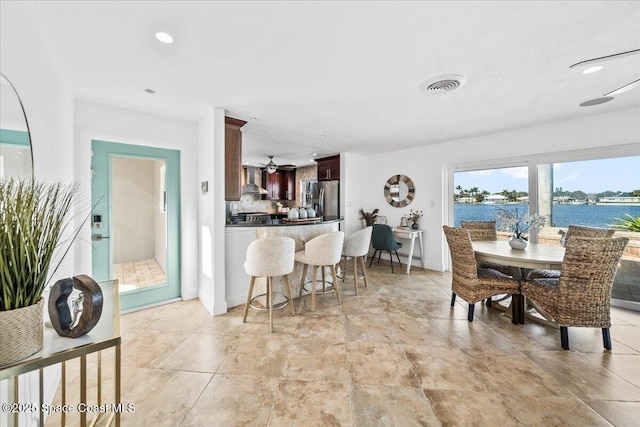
<point>349,71</point>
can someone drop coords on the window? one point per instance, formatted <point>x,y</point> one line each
<point>587,188</point>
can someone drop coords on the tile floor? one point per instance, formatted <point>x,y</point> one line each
<point>138,274</point>
<point>396,355</point>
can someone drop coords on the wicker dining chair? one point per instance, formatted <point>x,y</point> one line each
<point>573,231</point>
<point>470,282</point>
<point>485,230</point>
<point>581,295</point>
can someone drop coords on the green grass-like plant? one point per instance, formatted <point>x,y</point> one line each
<point>34,216</point>
<point>630,224</point>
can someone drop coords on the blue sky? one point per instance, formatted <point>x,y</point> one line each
<point>590,176</point>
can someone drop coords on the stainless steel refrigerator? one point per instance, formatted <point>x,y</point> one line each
<point>325,198</point>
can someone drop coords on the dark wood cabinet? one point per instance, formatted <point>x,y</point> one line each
<point>329,168</point>
<point>280,185</point>
<point>232,158</point>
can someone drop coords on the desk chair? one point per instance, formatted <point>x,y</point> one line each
<point>383,239</point>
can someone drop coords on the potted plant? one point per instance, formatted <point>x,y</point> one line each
<point>34,216</point>
<point>414,217</point>
<point>369,217</point>
<point>519,225</point>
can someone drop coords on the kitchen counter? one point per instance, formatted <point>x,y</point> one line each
<point>238,238</point>
<point>281,223</point>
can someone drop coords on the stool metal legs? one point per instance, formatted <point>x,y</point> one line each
<point>314,272</point>
<point>269,297</point>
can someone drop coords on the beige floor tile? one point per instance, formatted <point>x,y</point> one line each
<point>379,364</point>
<point>625,365</point>
<point>585,378</point>
<point>411,307</point>
<point>231,400</point>
<point>371,327</point>
<point>311,403</point>
<point>411,330</point>
<point>470,408</point>
<point>620,414</point>
<point>199,353</point>
<point>257,356</point>
<point>327,327</point>
<point>391,406</point>
<point>476,334</point>
<point>148,349</point>
<point>362,305</point>
<point>315,360</point>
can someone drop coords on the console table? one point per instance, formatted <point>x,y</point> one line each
<point>57,349</point>
<point>411,233</point>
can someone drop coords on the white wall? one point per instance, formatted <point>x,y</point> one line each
<point>353,183</point>
<point>211,212</point>
<point>106,123</point>
<point>426,165</point>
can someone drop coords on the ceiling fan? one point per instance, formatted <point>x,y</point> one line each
<point>271,167</point>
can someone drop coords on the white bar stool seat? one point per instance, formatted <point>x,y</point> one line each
<point>356,247</point>
<point>270,257</point>
<point>322,251</point>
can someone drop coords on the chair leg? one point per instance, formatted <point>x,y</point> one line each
<point>373,257</point>
<point>364,271</point>
<point>313,287</point>
<point>336,288</point>
<point>488,302</point>
<point>391,259</point>
<point>399,262</point>
<point>606,338</point>
<point>246,306</point>
<point>355,274</point>
<point>470,314</point>
<point>453,299</point>
<point>564,337</point>
<point>379,255</point>
<point>304,275</point>
<point>288,289</point>
<point>270,302</point>
<point>324,288</point>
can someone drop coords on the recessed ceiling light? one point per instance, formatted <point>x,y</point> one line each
<point>312,160</point>
<point>164,37</point>
<point>596,101</point>
<point>314,154</point>
<point>624,88</point>
<point>592,69</point>
<point>151,91</point>
<point>322,135</point>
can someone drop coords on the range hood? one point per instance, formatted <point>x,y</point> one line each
<point>251,187</point>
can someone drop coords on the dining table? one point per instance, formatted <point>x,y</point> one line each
<point>521,262</point>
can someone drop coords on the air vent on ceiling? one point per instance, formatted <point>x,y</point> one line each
<point>444,84</point>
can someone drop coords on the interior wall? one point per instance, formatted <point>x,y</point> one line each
<point>133,234</point>
<point>353,183</point>
<point>107,123</point>
<point>426,165</point>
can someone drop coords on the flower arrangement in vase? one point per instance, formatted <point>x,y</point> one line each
<point>414,217</point>
<point>518,224</point>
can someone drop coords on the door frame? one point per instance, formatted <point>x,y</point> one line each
<point>101,162</point>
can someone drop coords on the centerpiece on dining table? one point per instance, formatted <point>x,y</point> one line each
<point>519,225</point>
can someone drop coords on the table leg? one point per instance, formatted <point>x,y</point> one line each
<point>413,240</point>
<point>423,261</point>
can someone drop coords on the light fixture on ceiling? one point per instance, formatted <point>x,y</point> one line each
<point>270,167</point>
<point>314,154</point>
<point>604,58</point>
<point>592,69</point>
<point>151,91</point>
<point>597,101</point>
<point>442,84</point>
<point>625,88</point>
<point>164,37</point>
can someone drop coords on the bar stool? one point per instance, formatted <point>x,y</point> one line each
<point>356,247</point>
<point>270,257</point>
<point>321,251</point>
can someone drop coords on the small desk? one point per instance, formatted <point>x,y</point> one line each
<point>410,233</point>
<point>534,256</point>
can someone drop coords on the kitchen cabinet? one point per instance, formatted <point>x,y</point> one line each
<point>280,185</point>
<point>232,158</point>
<point>329,168</point>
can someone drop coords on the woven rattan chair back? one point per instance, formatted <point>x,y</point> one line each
<point>480,230</point>
<point>582,231</point>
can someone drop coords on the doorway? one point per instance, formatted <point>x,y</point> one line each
<point>136,221</point>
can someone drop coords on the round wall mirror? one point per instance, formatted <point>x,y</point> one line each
<point>16,157</point>
<point>399,191</point>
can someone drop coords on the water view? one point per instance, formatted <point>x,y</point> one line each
<point>590,215</point>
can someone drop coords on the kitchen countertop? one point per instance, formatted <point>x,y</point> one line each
<point>280,223</point>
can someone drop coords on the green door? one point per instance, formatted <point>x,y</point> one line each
<point>136,221</point>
